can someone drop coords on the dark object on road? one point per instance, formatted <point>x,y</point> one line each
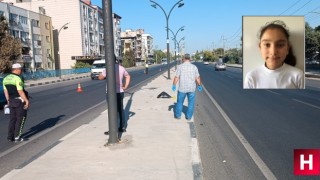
<point>163,95</point>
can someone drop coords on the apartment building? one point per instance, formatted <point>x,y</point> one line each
<point>77,29</point>
<point>35,34</point>
<point>132,41</point>
<point>147,41</point>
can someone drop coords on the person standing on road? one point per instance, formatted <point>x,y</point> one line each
<point>17,99</point>
<point>121,73</point>
<point>188,77</point>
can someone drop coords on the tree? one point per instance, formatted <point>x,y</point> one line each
<point>208,56</point>
<point>311,42</point>
<point>159,55</point>
<point>80,64</point>
<point>128,59</point>
<point>10,48</point>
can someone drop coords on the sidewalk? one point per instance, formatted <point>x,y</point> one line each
<point>155,147</point>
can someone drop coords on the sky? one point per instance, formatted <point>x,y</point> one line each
<point>208,24</point>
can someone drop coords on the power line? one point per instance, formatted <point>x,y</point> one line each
<point>290,7</point>
<point>301,7</point>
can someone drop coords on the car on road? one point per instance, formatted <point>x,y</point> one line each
<point>206,62</point>
<point>97,67</point>
<point>220,66</point>
<point>164,61</point>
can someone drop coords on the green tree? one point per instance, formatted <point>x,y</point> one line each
<point>158,55</point>
<point>128,59</point>
<point>219,52</point>
<point>208,56</point>
<point>311,42</point>
<point>80,64</point>
<point>232,56</point>
<point>10,48</point>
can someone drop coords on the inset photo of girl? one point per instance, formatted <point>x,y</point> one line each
<point>273,52</point>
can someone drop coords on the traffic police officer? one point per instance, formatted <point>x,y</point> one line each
<point>17,99</point>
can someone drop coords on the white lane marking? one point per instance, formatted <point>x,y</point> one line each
<point>273,92</point>
<point>307,103</point>
<point>256,158</point>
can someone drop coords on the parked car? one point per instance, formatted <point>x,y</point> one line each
<point>206,62</point>
<point>220,66</point>
<point>2,97</point>
<point>164,61</point>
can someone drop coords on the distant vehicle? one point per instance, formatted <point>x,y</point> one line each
<point>164,61</point>
<point>220,66</point>
<point>206,62</point>
<point>150,62</point>
<point>3,100</point>
<point>97,67</point>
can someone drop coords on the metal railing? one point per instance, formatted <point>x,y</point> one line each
<point>40,74</point>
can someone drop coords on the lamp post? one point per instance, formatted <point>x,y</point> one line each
<point>65,26</point>
<point>178,44</point>
<point>179,4</point>
<point>175,43</point>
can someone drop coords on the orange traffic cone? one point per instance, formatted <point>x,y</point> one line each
<point>79,89</point>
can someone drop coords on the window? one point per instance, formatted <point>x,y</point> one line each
<point>48,38</point>
<point>37,51</point>
<point>47,25</point>
<point>24,36</point>
<point>1,13</point>
<point>23,20</point>
<point>13,17</point>
<point>14,33</point>
<point>36,37</point>
<point>35,23</point>
<point>48,53</point>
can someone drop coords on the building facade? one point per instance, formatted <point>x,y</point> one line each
<point>147,48</point>
<point>77,29</point>
<point>35,34</point>
<point>132,41</point>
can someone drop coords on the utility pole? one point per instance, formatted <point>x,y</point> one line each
<point>223,42</point>
<point>110,69</point>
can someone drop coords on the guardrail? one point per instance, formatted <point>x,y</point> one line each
<point>40,74</point>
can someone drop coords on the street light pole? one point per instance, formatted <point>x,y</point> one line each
<point>178,44</point>
<point>175,43</point>
<point>179,4</point>
<point>110,69</point>
<point>65,26</point>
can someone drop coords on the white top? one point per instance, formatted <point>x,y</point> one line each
<point>285,77</point>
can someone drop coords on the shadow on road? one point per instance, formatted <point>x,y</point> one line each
<point>42,126</point>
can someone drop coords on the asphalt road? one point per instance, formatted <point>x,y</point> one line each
<point>273,122</point>
<point>55,110</point>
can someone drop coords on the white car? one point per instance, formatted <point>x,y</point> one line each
<point>206,62</point>
<point>220,66</point>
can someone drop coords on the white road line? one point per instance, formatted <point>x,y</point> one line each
<point>273,92</point>
<point>259,162</point>
<point>307,103</point>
